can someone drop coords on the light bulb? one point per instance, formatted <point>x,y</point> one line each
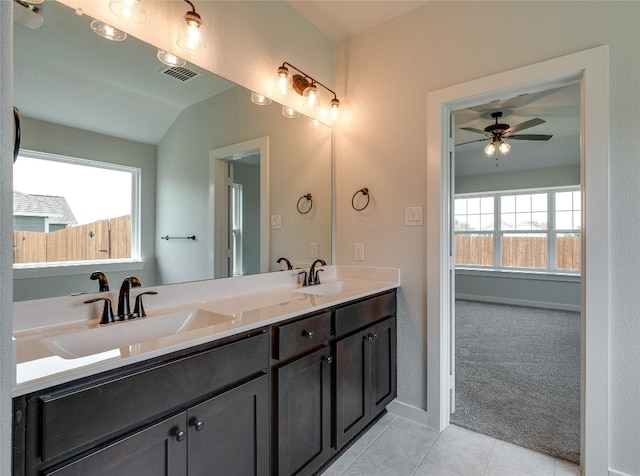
<point>191,37</point>
<point>311,93</point>
<point>504,148</point>
<point>335,110</point>
<point>259,99</point>
<point>170,59</point>
<point>289,112</point>
<point>107,31</point>
<point>129,10</point>
<point>490,149</point>
<point>283,80</point>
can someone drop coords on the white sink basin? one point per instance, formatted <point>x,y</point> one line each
<point>91,341</point>
<point>326,289</point>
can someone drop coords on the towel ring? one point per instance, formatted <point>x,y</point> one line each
<point>298,206</point>
<point>365,192</point>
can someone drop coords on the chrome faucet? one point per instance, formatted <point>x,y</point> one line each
<point>103,283</point>
<point>124,311</point>
<point>313,277</point>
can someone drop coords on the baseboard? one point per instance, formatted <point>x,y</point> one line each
<point>520,302</point>
<point>407,411</point>
<point>617,473</point>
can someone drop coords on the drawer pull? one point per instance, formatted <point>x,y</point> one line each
<point>178,433</point>
<point>197,424</point>
<point>308,334</point>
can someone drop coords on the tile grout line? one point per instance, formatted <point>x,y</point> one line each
<point>426,454</point>
<point>493,448</point>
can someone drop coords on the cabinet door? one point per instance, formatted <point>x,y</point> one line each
<point>383,365</point>
<point>352,386</point>
<point>160,449</point>
<point>304,414</point>
<point>229,434</point>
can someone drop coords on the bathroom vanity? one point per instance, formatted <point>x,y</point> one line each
<point>279,389</point>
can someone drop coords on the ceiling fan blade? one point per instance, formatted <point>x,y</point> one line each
<point>472,141</point>
<point>531,137</point>
<point>473,129</point>
<point>524,125</point>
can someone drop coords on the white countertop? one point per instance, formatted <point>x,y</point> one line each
<point>59,340</point>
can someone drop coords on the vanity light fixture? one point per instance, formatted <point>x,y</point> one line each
<point>170,59</point>
<point>128,10</point>
<point>259,99</point>
<point>191,36</point>
<point>305,86</point>
<point>107,31</point>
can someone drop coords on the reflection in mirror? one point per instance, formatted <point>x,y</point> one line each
<point>82,96</point>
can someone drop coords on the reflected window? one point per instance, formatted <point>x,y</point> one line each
<point>236,228</point>
<point>73,210</point>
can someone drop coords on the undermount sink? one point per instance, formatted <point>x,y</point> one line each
<point>327,289</point>
<point>87,342</point>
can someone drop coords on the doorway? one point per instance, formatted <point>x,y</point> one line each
<point>592,65</point>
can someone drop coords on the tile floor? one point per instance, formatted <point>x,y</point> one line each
<point>395,446</point>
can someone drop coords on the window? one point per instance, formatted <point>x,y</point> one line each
<point>537,230</point>
<point>236,228</point>
<point>73,210</point>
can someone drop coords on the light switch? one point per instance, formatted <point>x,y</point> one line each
<point>276,222</point>
<point>313,250</point>
<point>413,216</point>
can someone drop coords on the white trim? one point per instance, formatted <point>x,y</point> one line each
<point>47,270</point>
<point>519,302</point>
<point>516,274</point>
<point>407,411</point>
<point>232,152</point>
<point>591,68</point>
<point>617,473</point>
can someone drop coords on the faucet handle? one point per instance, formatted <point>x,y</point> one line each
<point>138,309</point>
<point>304,280</point>
<point>317,278</point>
<point>107,311</point>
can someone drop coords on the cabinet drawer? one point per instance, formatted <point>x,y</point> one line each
<point>361,314</point>
<point>302,336</point>
<point>105,407</point>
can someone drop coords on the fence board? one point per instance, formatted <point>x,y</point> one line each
<point>92,241</point>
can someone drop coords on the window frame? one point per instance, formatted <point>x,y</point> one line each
<point>551,233</point>
<point>67,268</point>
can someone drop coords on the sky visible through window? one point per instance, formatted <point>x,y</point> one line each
<point>93,193</point>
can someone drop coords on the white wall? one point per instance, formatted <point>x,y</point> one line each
<point>299,164</point>
<point>382,144</point>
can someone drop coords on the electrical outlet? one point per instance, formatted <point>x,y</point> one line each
<point>313,250</point>
<point>358,251</point>
<point>276,222</point>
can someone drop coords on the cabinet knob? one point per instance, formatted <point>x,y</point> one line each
<point>197,424</point>
<point>328,359</point>
<point>178,434</point>
<point>308,334</point>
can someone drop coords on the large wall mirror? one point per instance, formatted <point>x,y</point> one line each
<point>113,102</point>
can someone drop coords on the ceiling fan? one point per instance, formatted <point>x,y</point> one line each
<point>497,132</point>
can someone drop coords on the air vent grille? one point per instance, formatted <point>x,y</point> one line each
<point>180,73</point>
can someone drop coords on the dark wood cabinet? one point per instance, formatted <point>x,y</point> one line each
<point>303,427</point>
<point>365,378</point>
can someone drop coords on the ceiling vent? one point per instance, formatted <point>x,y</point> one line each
<point>180,73</point>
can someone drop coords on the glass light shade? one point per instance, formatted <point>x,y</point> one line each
<point>335,110</point>
<point>311,93</point>
<point>129,10</point>
<point>490,149</point>
<point>191,36</point>
<point>170,59</point>
<point>504,148</point>
<point>107,31</point>
<point>259,99</point>
<point>289,112</point>
<point>283,81</point>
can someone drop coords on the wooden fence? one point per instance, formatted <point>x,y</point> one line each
<point>103,239</point>
<point>518,251</point>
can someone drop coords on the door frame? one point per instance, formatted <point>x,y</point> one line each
<point>591,69</point>
<point>218,199</point>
